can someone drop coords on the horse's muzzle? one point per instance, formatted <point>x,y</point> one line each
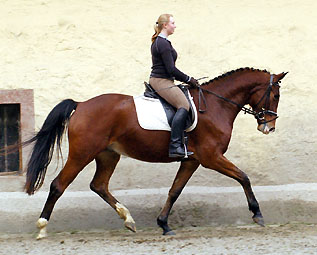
<point>266,128</point>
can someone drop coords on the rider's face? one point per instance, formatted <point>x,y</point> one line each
<point>170,26</point>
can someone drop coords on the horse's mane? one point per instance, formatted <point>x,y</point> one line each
<point>232,72</point>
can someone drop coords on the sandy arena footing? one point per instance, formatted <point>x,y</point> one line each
<point>197,206</point>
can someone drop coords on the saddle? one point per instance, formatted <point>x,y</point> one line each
<point>171,110</point>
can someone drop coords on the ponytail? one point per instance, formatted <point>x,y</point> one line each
<point>157,32</point>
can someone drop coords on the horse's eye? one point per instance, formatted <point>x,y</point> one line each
<point>276,96</point>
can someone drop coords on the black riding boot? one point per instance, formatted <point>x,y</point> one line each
<point>176,148</point>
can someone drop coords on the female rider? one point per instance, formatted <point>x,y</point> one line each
<point>162,77</point>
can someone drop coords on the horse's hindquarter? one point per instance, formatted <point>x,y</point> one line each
<point>93,122</point>
<point>110,122</point>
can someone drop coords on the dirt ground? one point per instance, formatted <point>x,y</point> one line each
<point>291,238</point>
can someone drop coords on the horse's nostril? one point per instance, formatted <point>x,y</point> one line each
<point>272,129</point>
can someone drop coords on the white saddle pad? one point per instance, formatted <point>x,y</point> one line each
<point>151,114</point>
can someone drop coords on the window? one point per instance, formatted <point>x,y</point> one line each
<point>16,125</point>
<point>9,135</point>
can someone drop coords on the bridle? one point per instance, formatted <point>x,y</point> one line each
<point>259,116</point>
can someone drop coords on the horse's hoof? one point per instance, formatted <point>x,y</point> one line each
<point>130,226</point>
<point>169,233</point>
<point>259,220</point>
<point>40,236</point>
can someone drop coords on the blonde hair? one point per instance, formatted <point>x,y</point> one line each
<point>164,18</point>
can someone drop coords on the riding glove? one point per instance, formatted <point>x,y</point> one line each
<point>193,83</point>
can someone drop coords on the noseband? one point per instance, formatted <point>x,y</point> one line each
<point>260,115</point>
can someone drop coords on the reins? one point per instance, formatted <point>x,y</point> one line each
<point>243,108</point>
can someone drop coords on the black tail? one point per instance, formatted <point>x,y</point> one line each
<point>52,131</point>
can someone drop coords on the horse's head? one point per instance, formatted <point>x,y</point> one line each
<point>264,101</point>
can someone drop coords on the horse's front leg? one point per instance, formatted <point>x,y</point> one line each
<point>222,165</point>
<point>186,170</point>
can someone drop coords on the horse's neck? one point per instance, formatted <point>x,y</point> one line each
<point>235,89</point>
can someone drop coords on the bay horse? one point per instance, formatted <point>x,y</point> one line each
<point>106,126</point>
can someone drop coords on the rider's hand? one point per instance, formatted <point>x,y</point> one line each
<point>193,83</point>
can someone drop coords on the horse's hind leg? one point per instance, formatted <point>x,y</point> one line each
<point>186,170</point>
<point>106,162</point>
<point>58,186</point>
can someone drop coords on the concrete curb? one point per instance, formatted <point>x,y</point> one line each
<point>197,206</point>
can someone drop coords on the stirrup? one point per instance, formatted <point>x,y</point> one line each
<point>180,153</point>
<point>187,153</point>
<point>175,155</point>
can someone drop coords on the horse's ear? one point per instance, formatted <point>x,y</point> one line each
<point>280,76</point>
